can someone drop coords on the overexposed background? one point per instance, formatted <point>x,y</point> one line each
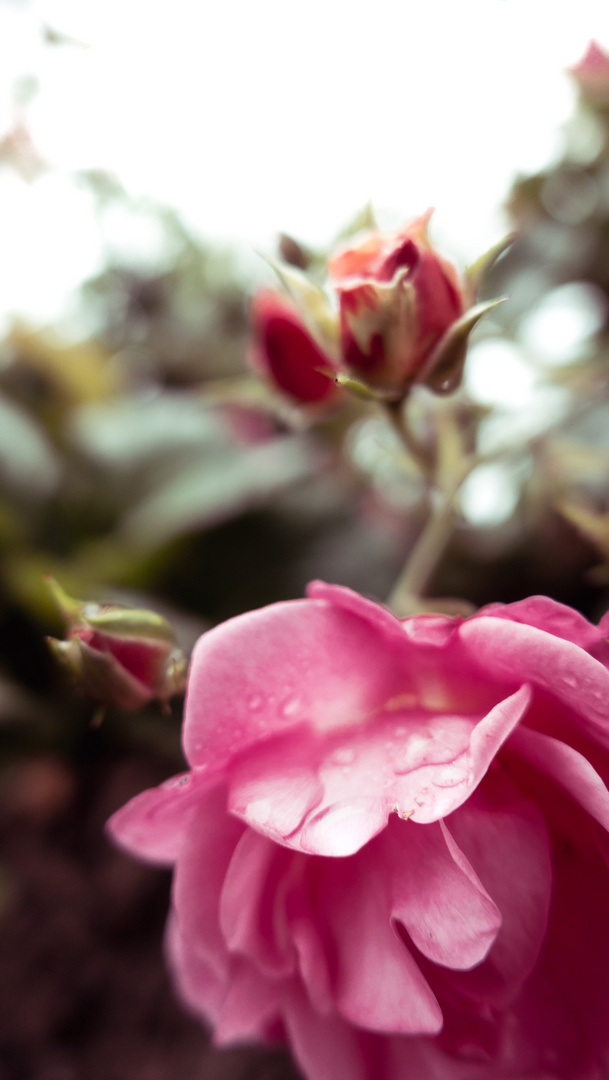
<point>252,118</point>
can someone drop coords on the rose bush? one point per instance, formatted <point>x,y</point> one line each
<point>391,847</point>
<point>283,352</point>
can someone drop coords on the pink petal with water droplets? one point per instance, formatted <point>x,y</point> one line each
<point>273,788</point>
<point>288,665</point>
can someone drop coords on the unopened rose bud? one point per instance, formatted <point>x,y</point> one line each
<point>121,656</point>
<point>404,314</point>
<point>284,353</point>
<point>592,74</point>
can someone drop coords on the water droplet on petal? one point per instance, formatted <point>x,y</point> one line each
<point>255,702</point>
<point>290,707</point>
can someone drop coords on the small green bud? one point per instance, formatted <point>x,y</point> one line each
<point>121,656</point>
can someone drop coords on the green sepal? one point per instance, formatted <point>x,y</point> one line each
<point>363,390</point>
<point>444,368</point>
<point>69,608</point>
<point>475,273</point>
<point>128,622</point>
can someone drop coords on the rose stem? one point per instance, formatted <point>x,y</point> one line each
<point>425,555</point>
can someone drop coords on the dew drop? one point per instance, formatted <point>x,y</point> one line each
<point>569,680</point>
<point>290,707</point>
<point>178,781</point>
<point>255,702</point>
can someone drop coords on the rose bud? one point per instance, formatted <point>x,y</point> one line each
<point>119,655</point>
<point>284,353</point>
<point>404,314</point>
<point>391,848</point>
<point>592,74</point>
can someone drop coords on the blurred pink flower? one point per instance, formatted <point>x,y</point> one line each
<point>592,73</point>
<point>283,352</point>
<point>398,298</point>
<point>391,847</point>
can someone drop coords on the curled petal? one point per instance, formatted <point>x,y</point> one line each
<point>437,896</point>
<point>568,768</point>
<point>510,652</point>
<point>198,882</point>
<point>153,824</point>
<point>505,840</point>
<point>377,985</point>
<point>252,905</point>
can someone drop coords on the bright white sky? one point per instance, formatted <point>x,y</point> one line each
<point>254,116</point>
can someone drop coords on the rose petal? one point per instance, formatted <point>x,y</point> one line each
<point>435,790</point>
<point>377,983</point>
<point>548,615</point>
<point>198,985</point>
<point>376,614</point>
<point>199,878</point>
<point>326,1047</point>
<point>437,896</point>
<point>252,905</point>
<point>342,828</point>
<point>251,1003</point>
<point>312,959</point>
<point>510,652</point>
<point>152,825</point>
<point>421,764</point>
<point>505,840</point>
<point>273,788</point>
<point>299,663</point>
<point>568,768</point>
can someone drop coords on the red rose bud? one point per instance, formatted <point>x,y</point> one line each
<point>592,74</point>
<point>284,353</point>
<point>121,656</point>
<point>403,312</point>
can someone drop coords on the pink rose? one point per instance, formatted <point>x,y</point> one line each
<point>391,848</point>
<point>398,299</point>
<point>283,352</point>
